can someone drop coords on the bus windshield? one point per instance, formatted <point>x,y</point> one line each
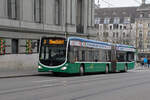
<point>52,55</point>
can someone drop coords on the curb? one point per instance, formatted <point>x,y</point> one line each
<point>2,76</point>
<point>16,76</point>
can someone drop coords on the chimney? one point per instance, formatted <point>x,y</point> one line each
<point>143,2</point>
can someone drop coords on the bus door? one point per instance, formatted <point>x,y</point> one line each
<point>113,59</point>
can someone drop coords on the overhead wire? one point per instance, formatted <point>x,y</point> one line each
<point>137,1</point>
<point>148,1</point>
<point>110,4</point>
<point>107,2</point>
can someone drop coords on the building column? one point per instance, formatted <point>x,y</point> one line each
<point>69,11</point>
<point>85,9</point>
<point>64,15</point>
<point>73,17</point>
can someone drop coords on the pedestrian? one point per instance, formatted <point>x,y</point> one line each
<point>142,62</point>
<point>145,62</point>
<point>148,62</point>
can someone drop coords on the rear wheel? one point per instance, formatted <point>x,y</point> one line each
<point>81,70</point>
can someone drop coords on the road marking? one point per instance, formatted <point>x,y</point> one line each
<point>45,80</point>
<point>27,88</point>
<point>140,70</point>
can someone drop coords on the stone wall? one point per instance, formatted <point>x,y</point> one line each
<point>18,62</point>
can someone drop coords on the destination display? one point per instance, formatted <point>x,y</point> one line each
<point>51,41</point>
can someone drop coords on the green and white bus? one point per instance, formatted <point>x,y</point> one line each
<point>78,55</point>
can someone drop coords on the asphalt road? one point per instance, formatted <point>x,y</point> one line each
<point>133,85</point>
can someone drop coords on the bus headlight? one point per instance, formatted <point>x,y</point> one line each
<point>64,68</point>
<point>39,67</point>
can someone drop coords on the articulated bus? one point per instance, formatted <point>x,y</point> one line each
<point>78,55</point>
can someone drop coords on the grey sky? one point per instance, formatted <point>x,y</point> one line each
<point>120,3</point>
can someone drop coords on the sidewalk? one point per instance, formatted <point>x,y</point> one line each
<point>18,74</point>
<point>140,67</point>
<point>15,74</point>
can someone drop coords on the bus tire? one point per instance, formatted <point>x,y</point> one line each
<point>107,69</point>
<point>81,70</point>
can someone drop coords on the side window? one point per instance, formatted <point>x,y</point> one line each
<point>42,53</point>
<point>96,56</point>
<point>76,54</point>
<point>83,55</point>
<point>91,55</point>
<point>108,55</point>
<point>71,56</point>
<point>130,56</point>
<point>47,53</point>
<point>102,54</point>
<point>121,56</point>
<point>87,57</point>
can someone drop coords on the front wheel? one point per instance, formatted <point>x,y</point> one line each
<point>81,71</point>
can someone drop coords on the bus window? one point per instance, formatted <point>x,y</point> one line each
<point>87,54</point>
<point>42,53</point>
<point>130,56</point>
<point>96,56</point>
<point>109,56</point>
<point>106,53</point>
<point>103,56</point>
<point>47,53</point>
<point>91,55</point>
<point>121,56</point>
<point>83,55</point>
<point>76,54</point>
<point>71,57</point>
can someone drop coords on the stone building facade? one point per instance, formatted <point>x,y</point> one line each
<point>116,25</point>
<point>143,30</point>
<point>23,22</point>
<point>125,25</point>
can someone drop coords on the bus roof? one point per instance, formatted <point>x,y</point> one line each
<point>120,47</point>
<point>123,47</point>
<point>126,46</point>
<point>91,41</point>
<point>81,42</point>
